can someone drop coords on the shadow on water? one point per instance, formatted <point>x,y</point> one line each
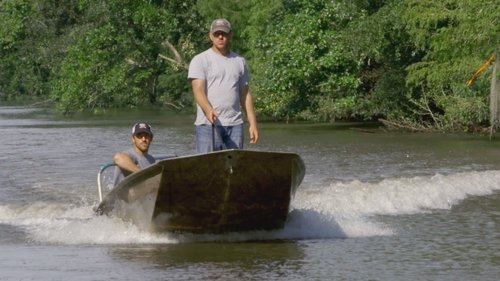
<point>10,234</point>
<point>311,224</point>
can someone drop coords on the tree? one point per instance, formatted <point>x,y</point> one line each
<point>33,37</point>
<point>302,64</point>
<point>12,14</point>
<point>454,37</point>
<point>379,41</point>
<point>128,57</point>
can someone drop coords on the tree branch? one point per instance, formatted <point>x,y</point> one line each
<point>177,57</point>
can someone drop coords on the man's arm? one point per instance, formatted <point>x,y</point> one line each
<point>125,162</point>
<point>200,95</point>
<point>247,105</point>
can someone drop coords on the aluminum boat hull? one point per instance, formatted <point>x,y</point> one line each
<point>222,191</point>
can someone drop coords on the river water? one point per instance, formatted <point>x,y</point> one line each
<point>373,205</point>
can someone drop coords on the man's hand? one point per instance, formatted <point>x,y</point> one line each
<point>212,115</point>
<point>254,134</point>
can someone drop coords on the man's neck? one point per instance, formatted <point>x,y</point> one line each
<point>140,151</point>
<point>223,52</point>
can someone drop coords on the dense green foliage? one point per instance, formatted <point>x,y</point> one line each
<point>306,70</point>
<point>454,37</point>
<point>404,61</point>
<point>117,62</point>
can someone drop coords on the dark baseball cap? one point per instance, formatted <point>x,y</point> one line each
<point>141,128</point>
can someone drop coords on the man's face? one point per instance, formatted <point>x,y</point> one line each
<point>142,141</point>
<point>220,39</point>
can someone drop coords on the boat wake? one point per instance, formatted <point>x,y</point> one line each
<point>337,210</point>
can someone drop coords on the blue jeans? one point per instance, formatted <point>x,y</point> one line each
<point>226,137</point>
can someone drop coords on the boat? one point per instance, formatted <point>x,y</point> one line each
<point>223,191</point>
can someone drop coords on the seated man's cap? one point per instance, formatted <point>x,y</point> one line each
<point>141,128</point>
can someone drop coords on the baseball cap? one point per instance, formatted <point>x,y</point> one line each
<point>141,128</point>
<point>220,25</point>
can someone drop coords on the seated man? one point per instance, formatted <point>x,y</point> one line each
<point>136,157</point>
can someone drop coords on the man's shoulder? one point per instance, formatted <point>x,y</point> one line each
<point>198,64</point>
<point>237,57</point>
<point>234,54</point>
<point>199,60</point>
<point>205,54</point>
<point>130,152</point>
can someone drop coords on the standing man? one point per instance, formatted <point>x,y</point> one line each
<point>136,157</point>
<point>220,82</point>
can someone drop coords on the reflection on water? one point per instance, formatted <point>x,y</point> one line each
<point>220,261</point>
<point>217,253</point>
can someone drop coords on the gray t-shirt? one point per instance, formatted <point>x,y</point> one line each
<point>225,77</point>
<point>142,161</point>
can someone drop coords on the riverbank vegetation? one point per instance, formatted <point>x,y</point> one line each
<point>405,63</point>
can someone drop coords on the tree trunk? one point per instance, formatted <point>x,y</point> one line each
<point>495,95</point>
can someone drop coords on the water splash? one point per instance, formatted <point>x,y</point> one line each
<point>337,210</point>
<point>352,205</point>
